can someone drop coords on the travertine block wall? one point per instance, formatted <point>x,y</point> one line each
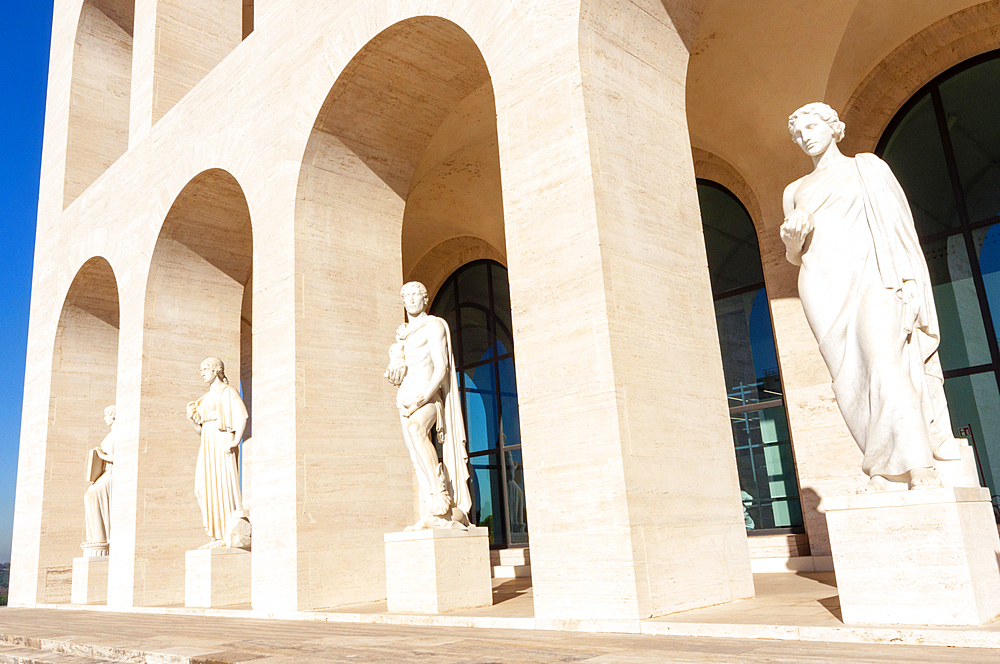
<point>100,92</point>
<point>191,38</point>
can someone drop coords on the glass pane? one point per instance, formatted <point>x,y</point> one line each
<point>766,469</point>
<point>749,360</point>
<point>987,241</point>
<point>481,422</point>
<point>916,156</point>
<point>963,338</point>
<point>517,516</point>
<point>971,102</point>
<point>730,241</point>
<point>486,483</point>
<point>975,415</point>
<point>501,310</point>
<point>476,340</point>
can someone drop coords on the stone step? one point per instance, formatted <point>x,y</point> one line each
<point>25,649</point>
<point>23,655</point>
<point>511,563</point>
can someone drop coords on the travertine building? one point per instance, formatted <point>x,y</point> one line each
<point>254,179</point>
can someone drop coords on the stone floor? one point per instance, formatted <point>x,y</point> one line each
<point>36,636</point>
<point>793,618</point>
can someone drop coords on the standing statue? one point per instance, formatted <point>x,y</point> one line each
<point>867,296</point>
<point>220,417</point>
<point>97,499</point>
<point>422,366</point>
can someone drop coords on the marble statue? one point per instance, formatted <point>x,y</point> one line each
<point>422,366</point>
<point>220,417</point>
<point>97,499</point>
<point>867,296</point>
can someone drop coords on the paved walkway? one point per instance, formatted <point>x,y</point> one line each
<point>183,639</point>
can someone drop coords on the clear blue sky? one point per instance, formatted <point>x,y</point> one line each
<point>24,58</point>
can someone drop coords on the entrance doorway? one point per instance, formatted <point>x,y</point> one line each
<point>475,301</point>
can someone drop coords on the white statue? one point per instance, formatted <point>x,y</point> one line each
<point>422,366</point>
<point>220,417</point>
<point>97,499</point>
<point>867,296</point>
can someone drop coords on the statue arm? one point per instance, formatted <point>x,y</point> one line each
<point>194,417</point>
<point>239,424</point>
<point>796,227</point>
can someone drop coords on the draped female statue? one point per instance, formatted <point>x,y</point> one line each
<point>97,499</point>
<point>220,417</point>
<point>867,296</point>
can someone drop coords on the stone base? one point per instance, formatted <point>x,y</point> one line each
<point>432,571</point>
<point>216,577</point>
<point>922,557</point>
<point>90,580</point>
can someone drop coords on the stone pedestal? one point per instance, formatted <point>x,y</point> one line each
<point>90,580</point>
<point>922,557</point>
<point>432,571</point>
<point>216,577</point>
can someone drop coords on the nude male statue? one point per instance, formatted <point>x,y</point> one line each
<point>422,366</point>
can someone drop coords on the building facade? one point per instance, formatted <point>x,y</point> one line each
<point>594,184</point>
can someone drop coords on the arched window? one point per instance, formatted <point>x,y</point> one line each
<point>475,301</point>
<point>944,148</point>
<point>750,364</point>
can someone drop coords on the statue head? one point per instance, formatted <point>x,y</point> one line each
<point>213,368</point>
<point>814,127</point>
<point>414,296</point>
<point>109,415</point>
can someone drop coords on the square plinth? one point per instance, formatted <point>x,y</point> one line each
<point>216,577</point>
<point>90,580</point>
<point>432,571</point>
<point>922,557</point>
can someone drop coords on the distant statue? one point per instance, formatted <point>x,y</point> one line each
<point>97,499</point>
<point>867,296</point>
<point>220,417</point>
<point>422,366</point>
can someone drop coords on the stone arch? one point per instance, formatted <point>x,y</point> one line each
<point>717,169</point>
<point>196,306</point>
<point>100,93</point>
<point>407,124</point>
<point>84,381</point>
<point>914,63</point>
<point>439,263</point>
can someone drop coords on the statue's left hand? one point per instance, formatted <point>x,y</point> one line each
<point>911,305</point>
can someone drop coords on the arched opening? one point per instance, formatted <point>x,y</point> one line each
<point>755,393</point>
<point>192,37</point>
<point>944,147</point>
<point>475,301</point>
<point>395,166</point>
<point>100,91</point>
<point>84,381</point>
<point>197,306</point>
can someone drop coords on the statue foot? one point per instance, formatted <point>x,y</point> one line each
<point>924,478</point>
<point>875,484</point>
<point>214,544</point>
<point>434,522</point>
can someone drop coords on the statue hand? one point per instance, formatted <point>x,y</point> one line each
<point>911,305</point>
<point>191,409</point>
<point>796,227</point>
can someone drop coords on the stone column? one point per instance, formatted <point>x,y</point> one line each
<point>632,494</point>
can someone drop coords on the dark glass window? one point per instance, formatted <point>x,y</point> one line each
<point>944,147</point>
<point>756,404</point>
<point>475,301</point>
